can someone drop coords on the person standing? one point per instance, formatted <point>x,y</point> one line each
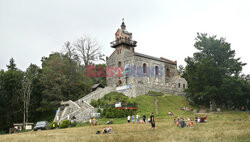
<point>133,118</point>
<point>94,121</point>
<point>137,118</point>
<point>144,118</point>
<point>90,121</point>
<point>152,119</point>
<point>129,119</point>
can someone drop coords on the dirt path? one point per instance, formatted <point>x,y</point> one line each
<point>156,105</point>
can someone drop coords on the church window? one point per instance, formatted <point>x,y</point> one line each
<point>119,64</point>
<point>144,68</point>
<point>179,85</point>
<point>168,73</point>
<point>157,70</point>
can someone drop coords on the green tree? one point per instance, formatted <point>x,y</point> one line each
<point>63,79</point>
<point>12,65</point>
<point>212,72</point>
<point>10,94</point>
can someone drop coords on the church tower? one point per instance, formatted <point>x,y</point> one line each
<point>123,39</point>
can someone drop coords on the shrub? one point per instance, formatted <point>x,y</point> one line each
<point>51,125</point>
<point>104,112</point>
<point>64,124</point>
<point>73,124</point>
<point>94,103</point>
<point>79,124</point>
<point>99,110</point>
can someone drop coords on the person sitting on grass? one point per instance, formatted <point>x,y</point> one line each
<point>191,123</point>
<point>107,130</point>
<point>141,121</point>
<point>203,119</point>
<point>182,123</point>
<point>197,119</point>
<point>178,122</point>
<point>175,122</point>
<point>149,120</point>
<point>170,113</point>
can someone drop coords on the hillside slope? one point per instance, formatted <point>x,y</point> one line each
<point>166,103</point>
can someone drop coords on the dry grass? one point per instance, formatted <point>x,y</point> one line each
<point>221,127</point>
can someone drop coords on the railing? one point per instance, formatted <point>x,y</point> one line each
<point>75,104</point>
<point>86,110</point>
<point>126,41</point>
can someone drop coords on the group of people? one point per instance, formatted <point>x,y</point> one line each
<point>93,121</point>
<point>244,108</point>
<point>200,119</point>
<point>186,108</point>
<point>182,122</point>
<point>136,119</point>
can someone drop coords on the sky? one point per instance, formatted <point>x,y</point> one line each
<point>31,29</point>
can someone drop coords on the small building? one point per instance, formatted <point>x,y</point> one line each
<point>18,126</point>
<point>27,126</point>
<point>118,104</point>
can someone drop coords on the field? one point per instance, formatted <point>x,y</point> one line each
<point>227,126</point>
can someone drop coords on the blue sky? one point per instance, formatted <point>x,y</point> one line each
<point>30,29</point>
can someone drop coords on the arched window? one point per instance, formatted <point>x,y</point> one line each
<point>144,68</point>
<point>168,72</point>
<point>179,85</point>
<point>119,64</point>
<point>157,70</point>
<point>184,86</point>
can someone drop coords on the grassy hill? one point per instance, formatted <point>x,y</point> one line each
<point>166,103</point>
<point>226,126</point>
<point>221,127</point>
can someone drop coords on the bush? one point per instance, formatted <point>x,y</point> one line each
<point>64,124</point>
<point>51,125</point>
<point>94,103</point>
<point>79,124</point>
<point>99,110</point>
<point>73,124</point>
<point>104,112</point>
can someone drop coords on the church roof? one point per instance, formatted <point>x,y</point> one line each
<point>155,58</point>
<point>126,32</point>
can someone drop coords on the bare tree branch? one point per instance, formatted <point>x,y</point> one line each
<point>89,50</point>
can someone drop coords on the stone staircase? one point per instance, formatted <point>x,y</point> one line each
<point>97,94</point>
<point>80,110</point>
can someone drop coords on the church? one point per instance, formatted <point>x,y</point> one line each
<point>141,73</point>
<point>136,74</point>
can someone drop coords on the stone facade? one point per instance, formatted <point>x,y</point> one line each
<point>141,73</point>
<point>134,74</point>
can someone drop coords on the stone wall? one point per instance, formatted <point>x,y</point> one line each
<point>97,94</point>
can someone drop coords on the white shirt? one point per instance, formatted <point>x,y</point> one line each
<point>129,117</point>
